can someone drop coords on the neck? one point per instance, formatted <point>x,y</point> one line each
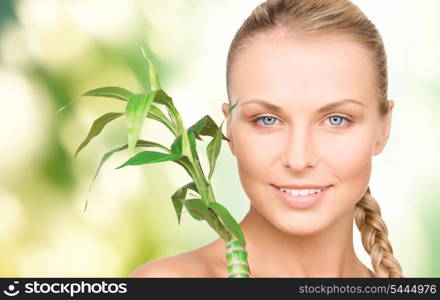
<point>274,253</point>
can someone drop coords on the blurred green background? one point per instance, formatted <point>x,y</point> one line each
<point>51,51</point>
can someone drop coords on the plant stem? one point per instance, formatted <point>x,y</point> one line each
<point>236,256</point>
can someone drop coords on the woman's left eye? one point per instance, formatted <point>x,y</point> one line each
<point>338,120</point>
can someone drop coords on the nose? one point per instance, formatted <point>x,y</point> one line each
<point>299,152</point>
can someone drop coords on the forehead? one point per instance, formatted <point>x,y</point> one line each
<point>278,66</point>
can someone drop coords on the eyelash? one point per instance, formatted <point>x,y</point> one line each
<point>343,116</point>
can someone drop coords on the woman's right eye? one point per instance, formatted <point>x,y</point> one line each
<point>267,120</point>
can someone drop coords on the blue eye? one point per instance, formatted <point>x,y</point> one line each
<point>270,120</point>
<point>337,120</point>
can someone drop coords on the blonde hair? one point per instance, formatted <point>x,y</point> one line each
<point>314,17</point>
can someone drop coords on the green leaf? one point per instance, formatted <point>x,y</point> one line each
<point>228,220</point>
<point>67,105</point>
<point>213,150</point>
<point>110,92</point>
<point>164,99</point>
<point>197,208</point>
<point>136,112</point>
<point>152,71</point>
<point>156,114</point>
<point>106,156</point>
<point>149,157</point>
<point>142,143</point>
<point>232,107</point>
<point>192,144</point>
<point>193,147</point>
<point>192,186</point>
<point>205,126</point>
<point>183,161</point>
<point>186,164</point>
<point>178,198</point>
<point>97,127</point>
<point>176,147</point>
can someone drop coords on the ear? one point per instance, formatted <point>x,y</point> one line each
<point>225,108</point>
<point>384,131</point>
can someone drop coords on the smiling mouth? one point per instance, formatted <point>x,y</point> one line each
<point>301,198</point>
<point>305,190</point>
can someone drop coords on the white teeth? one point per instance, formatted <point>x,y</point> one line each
<point>302,192</point>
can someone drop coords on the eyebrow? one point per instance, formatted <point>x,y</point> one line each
<point>323,109</point>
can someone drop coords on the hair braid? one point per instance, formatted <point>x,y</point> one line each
<point>374,235</point>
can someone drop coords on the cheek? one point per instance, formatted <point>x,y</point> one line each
<point>349,158</point>
<point>350,154</point>
<point>256,155</point>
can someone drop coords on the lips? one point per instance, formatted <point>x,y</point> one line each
<point>304,186</point>
<point>302,201</point>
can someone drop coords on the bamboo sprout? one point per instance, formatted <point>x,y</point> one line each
<point>183,151</point>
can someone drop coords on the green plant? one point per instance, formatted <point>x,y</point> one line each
<point>183,151</point>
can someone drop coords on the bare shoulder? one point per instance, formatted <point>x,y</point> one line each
<point>207,261</point>
<point>181,265</point>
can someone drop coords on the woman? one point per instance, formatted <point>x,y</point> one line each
<point>311,80</point>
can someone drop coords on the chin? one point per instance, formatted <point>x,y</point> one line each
<point>302,226</point>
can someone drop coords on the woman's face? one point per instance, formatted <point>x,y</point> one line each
<point>304,141</point>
